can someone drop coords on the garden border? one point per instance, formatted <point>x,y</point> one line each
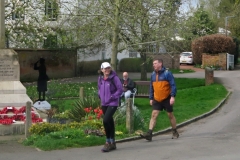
<point>181,124</point>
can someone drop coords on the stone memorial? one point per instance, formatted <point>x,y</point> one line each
<point>12,92</point>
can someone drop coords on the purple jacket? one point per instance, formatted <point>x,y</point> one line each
<point>109,90</point>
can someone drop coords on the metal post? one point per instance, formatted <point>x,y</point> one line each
<point>2,24</point>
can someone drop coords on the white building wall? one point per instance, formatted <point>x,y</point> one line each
<point>103,54</point>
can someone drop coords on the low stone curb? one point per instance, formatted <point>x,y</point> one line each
<point>181,124</point>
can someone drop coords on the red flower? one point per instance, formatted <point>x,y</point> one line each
<point>100,112</point>
<point>96,110</point>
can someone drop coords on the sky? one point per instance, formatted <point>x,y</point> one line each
<point>187,4</point>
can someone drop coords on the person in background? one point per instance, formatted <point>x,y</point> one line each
<point>42,78</point>
<point>109,92</point>
<point>162,97</point>
<point>128,85</point>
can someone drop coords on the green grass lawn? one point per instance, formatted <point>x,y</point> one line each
<point>193,99</point>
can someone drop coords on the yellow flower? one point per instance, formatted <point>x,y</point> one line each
<point>118,132</point>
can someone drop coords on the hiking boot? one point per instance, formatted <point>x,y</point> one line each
<point>147,136</point>
<point>106,147</point>
<point>113,146</point>
<point>175,133</point>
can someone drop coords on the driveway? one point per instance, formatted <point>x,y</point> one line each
<point>216,137</point>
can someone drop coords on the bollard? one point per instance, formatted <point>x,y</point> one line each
<point>81,93</point>
<point>28,120</point>
<point>129,116</point>
<point>209,76</point>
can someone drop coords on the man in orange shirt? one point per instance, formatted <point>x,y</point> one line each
<point>162,97</point>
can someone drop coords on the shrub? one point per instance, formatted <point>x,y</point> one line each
<point>44,128</point>
<point>212,44</point>
<point>77,113</point>
<point>90,67</point>
<point>120,118</point>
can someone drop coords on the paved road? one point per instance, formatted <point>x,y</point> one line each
<point>216,137</point>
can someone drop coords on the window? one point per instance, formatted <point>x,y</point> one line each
<point>51,9</point>
<point>132,54</point>
<point>50,42</point>
<point>152,48</point>
<point>19,10</point>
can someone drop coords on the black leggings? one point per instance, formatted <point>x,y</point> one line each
<point>108,122</point>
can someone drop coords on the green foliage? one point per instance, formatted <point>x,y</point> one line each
<point>89,67</point>
<point>60,89</point>
<point>62,115</point>
<point>92,124</point>
<point>77,113</point>
<point>44,128</point>
<point>197,25</point>
<point>202,25</point>
<point>225,7</point>
<point>63,139</point>
<point>133,65</point>
<point>212,44</point>
<point>120,119</point>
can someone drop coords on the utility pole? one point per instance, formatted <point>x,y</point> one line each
<point>226,23</point>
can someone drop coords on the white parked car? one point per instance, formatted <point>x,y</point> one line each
<point>186,58</point>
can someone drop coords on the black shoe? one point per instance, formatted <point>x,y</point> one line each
<point>175,133</point>
<point>147,136</point>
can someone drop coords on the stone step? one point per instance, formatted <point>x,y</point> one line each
<point>12,87</point>
<point>17,128</point>
<point>15,100</point>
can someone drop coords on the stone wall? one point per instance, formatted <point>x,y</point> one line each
<point>217,60</point>
<point>59,63</point>
<point>170,60</point>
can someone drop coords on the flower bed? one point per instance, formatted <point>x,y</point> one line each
<point>9,115</point>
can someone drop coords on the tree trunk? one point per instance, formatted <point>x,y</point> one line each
<point>145,38</point>
<point>115,40</point>
<point>143,67</point>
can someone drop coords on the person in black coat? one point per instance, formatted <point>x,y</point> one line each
<point>42,78</point>
<point>128,85</point>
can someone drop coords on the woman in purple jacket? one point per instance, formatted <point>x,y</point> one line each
<point>109,92</point>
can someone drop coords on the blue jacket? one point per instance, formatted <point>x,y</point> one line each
<point>109,90</point>
<point>164,75</point>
